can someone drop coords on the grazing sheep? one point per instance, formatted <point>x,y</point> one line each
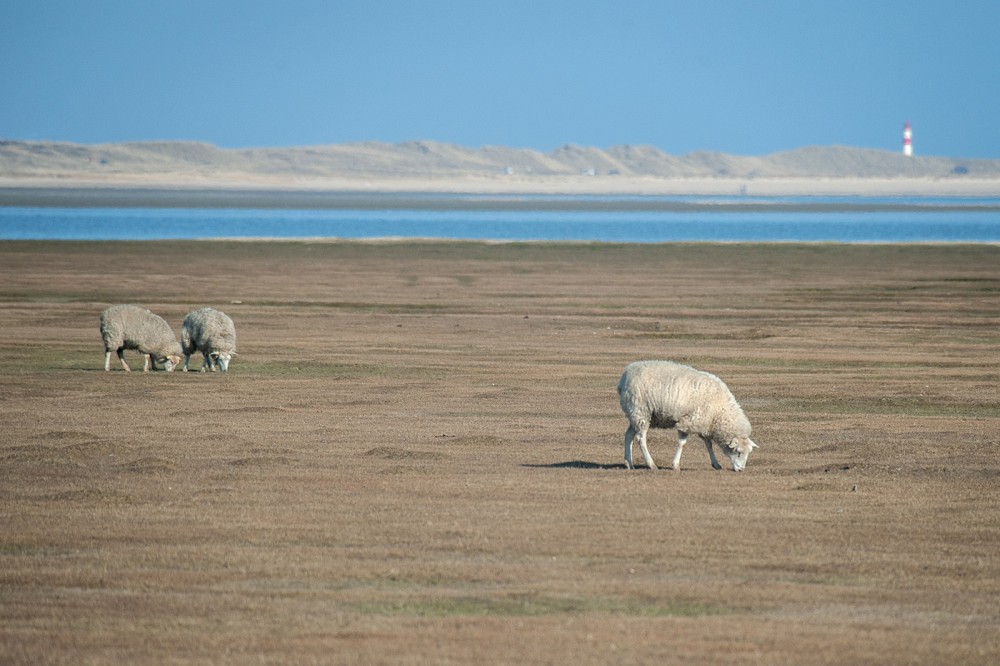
<point>662,394</point>
<point>213,334</point>
<point>131,327</point>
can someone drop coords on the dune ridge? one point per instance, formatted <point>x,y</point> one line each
<point>422,165</point>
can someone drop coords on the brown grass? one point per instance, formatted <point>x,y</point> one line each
<point>417,457</point>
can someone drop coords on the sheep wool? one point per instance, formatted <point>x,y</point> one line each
<point>212,333</point>
<point>663,394</point>
<point>131,327</point>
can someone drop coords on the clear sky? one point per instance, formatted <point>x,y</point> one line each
<point>738,76</point>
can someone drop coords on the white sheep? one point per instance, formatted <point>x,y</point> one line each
<point>213,334</point>
<point>131,327</point>
<point>662,394</point>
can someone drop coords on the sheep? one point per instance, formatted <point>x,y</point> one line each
<point>131,327</point>
<point>213,334</point>
<point>663,394</point>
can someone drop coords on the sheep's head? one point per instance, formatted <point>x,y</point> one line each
<point>169,362</point>
<point>221,359</point>
<point>738,450</point>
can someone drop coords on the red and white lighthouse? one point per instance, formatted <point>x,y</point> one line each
<point>907,139</point>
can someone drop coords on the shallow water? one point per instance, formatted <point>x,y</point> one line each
<point>606,219</point>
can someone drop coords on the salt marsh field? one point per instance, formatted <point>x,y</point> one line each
<point>417,456</point>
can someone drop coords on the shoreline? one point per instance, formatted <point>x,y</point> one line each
<point>538,185</point>
<point>494,194</point>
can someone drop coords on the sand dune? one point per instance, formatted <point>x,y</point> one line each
<point>427,165</point>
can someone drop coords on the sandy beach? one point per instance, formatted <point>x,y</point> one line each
<point>306,192</point>
<point>417,456</point>
<point>455,200</point>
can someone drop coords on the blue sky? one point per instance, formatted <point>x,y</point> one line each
<point>734,76</point>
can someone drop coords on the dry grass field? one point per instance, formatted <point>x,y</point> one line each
<point>417,457</point>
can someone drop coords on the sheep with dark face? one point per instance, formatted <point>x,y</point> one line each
<point>662,394</point>
<point>213,334</point>
<point>131,327</point>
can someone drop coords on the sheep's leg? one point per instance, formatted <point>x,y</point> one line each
<point>645,451</point>
<point>149,363</point>
<point>187,359</point>
<point>107,360</point>
<point>629,436</point>
<point>682,438</point>
<point>711,454</point>
<point>121,357</point>
<point>206,363</point>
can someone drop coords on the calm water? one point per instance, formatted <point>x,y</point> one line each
<point>848,220</point>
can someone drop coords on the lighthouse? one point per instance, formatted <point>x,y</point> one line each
<point>907,139</point>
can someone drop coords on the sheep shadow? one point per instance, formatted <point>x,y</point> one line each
<point>576,464</point>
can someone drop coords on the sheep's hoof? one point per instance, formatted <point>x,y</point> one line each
<point>716,466</point>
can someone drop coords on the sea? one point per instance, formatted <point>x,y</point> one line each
<point>624,219</point>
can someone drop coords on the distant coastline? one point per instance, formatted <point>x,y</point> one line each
<point>44,173</point>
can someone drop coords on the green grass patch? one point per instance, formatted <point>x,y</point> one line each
<point>307,368</point>
<point>357,306</point>
<point>890,406</point>
<point>537,605</point>
<point>45,358</point>
<point>750,334</point>
<point>301,369</point>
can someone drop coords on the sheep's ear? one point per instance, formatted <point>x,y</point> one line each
<point>753,445</point>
